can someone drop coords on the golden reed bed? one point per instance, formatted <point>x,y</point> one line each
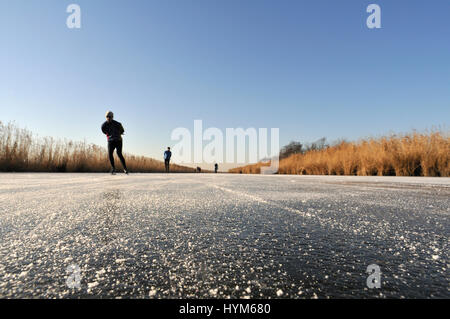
<point>20,151</point>
<point>413,154</point>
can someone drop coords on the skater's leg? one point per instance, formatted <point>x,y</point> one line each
<point>119,153</point>
<point>166,162</point>
<point>111,148</point>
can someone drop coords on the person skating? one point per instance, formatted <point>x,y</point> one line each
<point>113,131</point>
<point>167,156</point>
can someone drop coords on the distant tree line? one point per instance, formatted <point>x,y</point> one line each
<point>299,148</point>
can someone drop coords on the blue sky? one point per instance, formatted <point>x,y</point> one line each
<point>311,68</point>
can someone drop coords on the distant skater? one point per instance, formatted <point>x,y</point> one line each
<point>216,167</point>
<point>114,131</point>
<point>167,156</point>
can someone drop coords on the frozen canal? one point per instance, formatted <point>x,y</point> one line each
<point>207,235</point>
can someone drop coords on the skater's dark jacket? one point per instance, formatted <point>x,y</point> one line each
<point>113,130</point>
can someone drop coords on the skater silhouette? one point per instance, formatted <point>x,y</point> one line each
<point>113,131</point>
<point>167,156</point>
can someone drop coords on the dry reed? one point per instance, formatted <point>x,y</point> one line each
<point>413,154</point>
<point>20,151</point>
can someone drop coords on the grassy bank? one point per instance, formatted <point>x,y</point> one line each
<point>414,154</point>
<point>21,151</point>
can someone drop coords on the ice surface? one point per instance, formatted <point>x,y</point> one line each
<point>219,235</point>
